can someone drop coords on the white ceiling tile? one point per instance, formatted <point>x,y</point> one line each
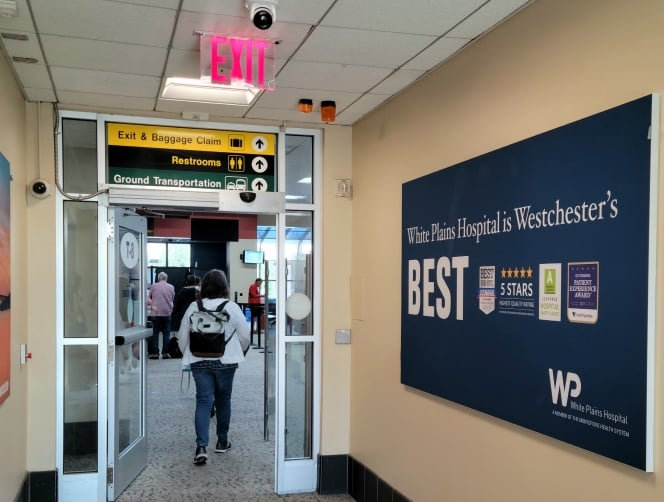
<point>397,81</point>
<point>437,53</point>
<point>22,22</point>
<point>277,114</point>
<point>486,17</point>
<point>330,76</point>
<point>33,75</point>
<point>106,56</point>
<point>288,36</point>
<point>167,4</point>
<point>115,84</point>
<point>36,94</point>
<point>364,105</point>
<point>115,53</point>
<point>226,7</point>
<point>308,12</point>
<point>97,101</point>
<point>288,97</point>
<point>189,23</point>
<point>165,105</point>
<point>102,20</point>
<point>425,17</point>
<point>368,48</point>
<point>348,119</point>
<point>29,48</point>
<point>183,64</point>
<point>284,115</point>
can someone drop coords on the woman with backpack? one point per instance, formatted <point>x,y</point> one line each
<point>213,373</point>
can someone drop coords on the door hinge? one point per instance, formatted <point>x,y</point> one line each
<point>110,231</point>
<point>109,475</point>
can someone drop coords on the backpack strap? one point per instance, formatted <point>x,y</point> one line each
<point>221,306</point>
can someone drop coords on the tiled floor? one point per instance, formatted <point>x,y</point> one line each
<point>244,473</point>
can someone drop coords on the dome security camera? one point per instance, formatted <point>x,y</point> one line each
<point>262,12</point>
<point>39,188</point>
<point>247,197</point>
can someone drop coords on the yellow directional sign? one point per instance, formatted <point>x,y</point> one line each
<point>200,140</point>
<point>190,158</point>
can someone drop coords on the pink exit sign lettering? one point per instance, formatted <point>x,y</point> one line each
<point>236,61</point>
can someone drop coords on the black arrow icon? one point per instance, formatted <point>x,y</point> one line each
<point>259,185</point>
<point>259,144</point>
<point>259,165</point>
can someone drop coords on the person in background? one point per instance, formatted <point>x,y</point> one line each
<point>161,296</point>
<point>256,305</point>
<point>187,294</point>
<point>213,377</point>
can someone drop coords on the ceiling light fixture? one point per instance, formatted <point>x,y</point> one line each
<point>19,59</point>
<point>328,111</point>
<point>14,36</point>
<point>204,91</point>
<point>305,106</point>
<point>8,8</point>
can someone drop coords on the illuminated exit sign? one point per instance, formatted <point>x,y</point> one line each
<point>238,62</point>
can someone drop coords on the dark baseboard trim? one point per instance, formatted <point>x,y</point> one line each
<point>365,486</point>
<point>332,474</point>
<point>39,486</point>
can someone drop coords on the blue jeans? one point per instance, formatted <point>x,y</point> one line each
<point>160,325</point>
<point>214,385</point>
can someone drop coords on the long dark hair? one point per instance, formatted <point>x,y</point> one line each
<point>214,284</point>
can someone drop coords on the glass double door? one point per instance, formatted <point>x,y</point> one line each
<point>127,427</point>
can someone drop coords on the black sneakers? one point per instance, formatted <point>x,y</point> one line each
<point>201,455</point>
<point>165,356</point>
<point>222,446</point>
<point>153,356</point>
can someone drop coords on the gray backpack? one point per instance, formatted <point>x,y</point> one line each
<point>210,331</point>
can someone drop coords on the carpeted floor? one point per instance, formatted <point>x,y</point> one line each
<point>244,473</point>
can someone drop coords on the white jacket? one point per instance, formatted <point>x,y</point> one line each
<point>233,352</point>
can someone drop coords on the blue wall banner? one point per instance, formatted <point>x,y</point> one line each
<point>528,282</point>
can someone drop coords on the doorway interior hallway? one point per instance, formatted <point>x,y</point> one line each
<point>245,472</point>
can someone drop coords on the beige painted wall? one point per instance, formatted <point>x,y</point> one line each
<point>41,282</point>
<point>13,431</point>
<point>28,417</point>
<point>336,370</point>
<point>553,63</point>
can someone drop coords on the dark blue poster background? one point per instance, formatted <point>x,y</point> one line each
<point>525,283</point>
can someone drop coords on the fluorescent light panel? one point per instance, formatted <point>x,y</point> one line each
<point>8,8</point>
<point>203,91</point>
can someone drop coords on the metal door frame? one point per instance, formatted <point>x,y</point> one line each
<point>290,476</point>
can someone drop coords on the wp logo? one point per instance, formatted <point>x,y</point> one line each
<point>564,385</point>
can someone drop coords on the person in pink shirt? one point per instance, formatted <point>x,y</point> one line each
<point>161,296</point>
